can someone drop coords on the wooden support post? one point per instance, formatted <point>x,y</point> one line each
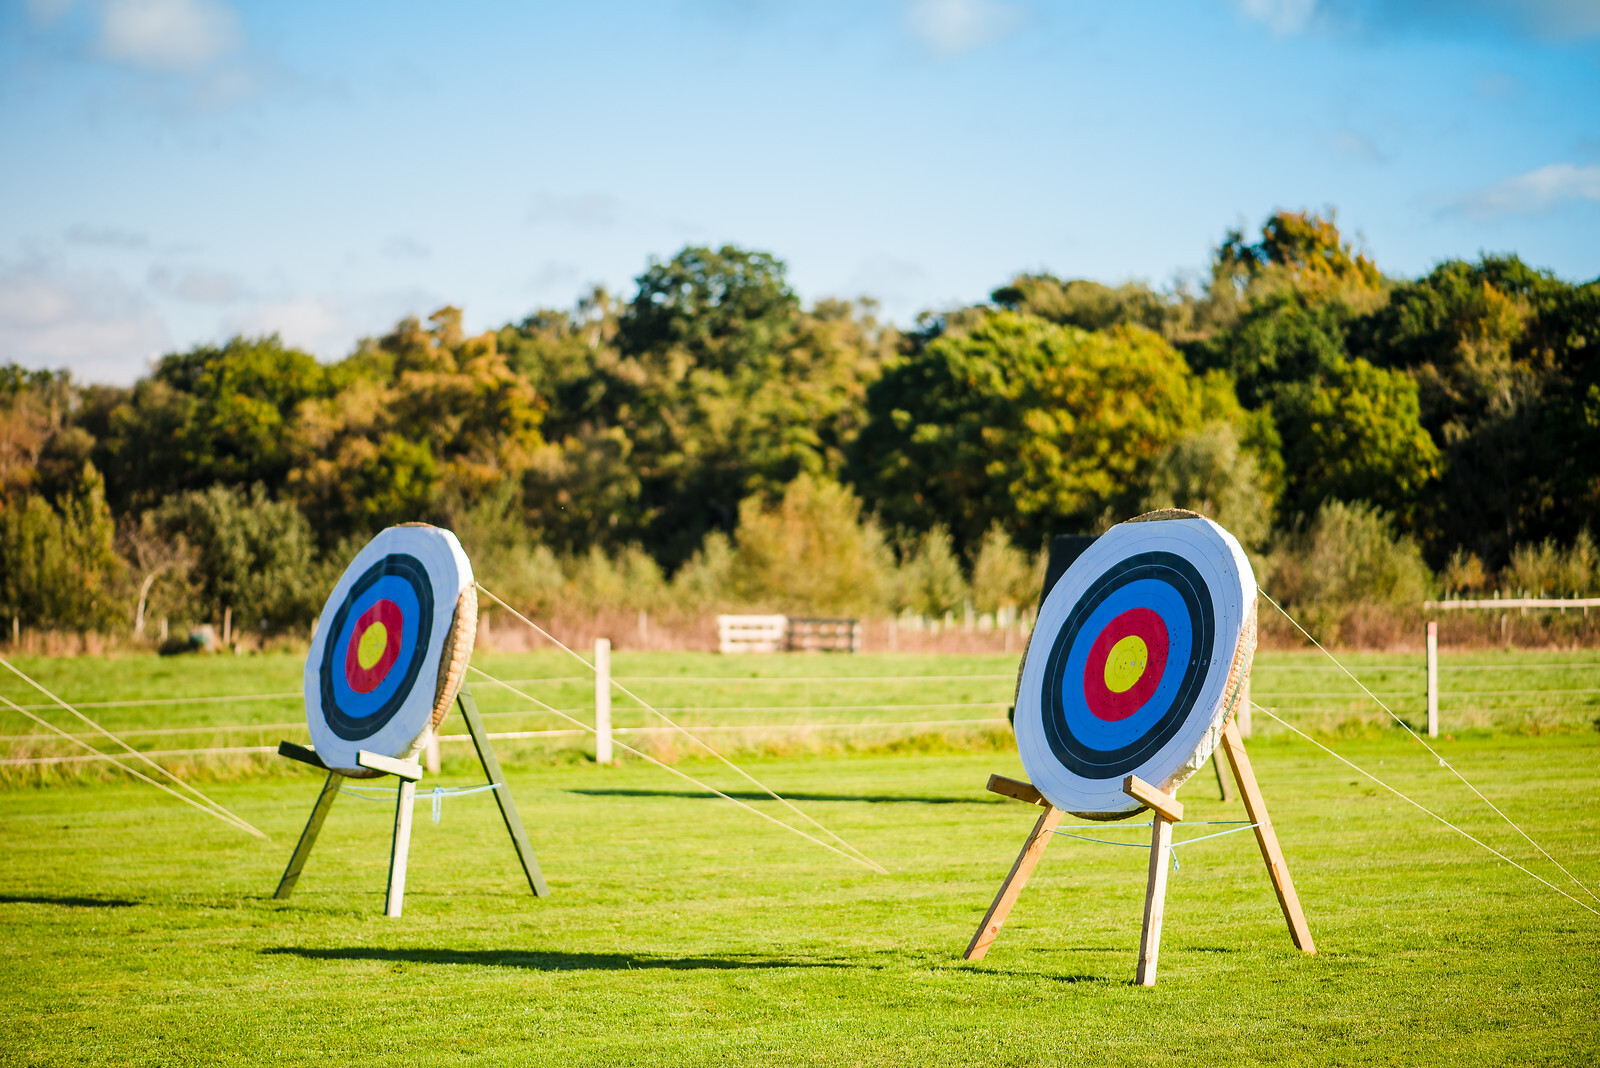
<point>1155,899</point>
<point>400,850</point>
<point>1165,810</point>
<point>1222,783</point>
<point>502,793</point>
<point>1433,679</point>
<point>308,837</point>
<point>1277,868</point>
<point>602,700</point>
<point>430,753</point>
<point>1032,850</point>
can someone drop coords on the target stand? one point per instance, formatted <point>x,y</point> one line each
<point>1166,810</point>
<point>386,662</point>
<point>1138,661</point>
<point>409,773</point>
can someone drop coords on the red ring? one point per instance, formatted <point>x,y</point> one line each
<point>1104,704</point>
<point>365,680</point>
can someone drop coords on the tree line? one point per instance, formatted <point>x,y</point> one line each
<point>709,439</point>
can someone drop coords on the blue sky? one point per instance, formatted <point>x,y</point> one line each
<point>180,170</point>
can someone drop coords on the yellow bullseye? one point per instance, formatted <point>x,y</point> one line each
<point>1125,665</point>
<point>376,640</point>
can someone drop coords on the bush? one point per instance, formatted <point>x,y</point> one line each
<point>1350,560</point>
<point>252,554</point>
<point>811,552</point>
<point>1002,574</point>
<point>57,565</point>
<point>930,580</point>
<point>1545,570</point>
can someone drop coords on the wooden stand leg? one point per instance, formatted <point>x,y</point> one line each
<point>1222,783</point>
<point>1032,850</point>
<point>502,793</point>
<point>1277,868</point>
<point>1155,898</point>
<point>400,852</point>
<point>308,837</point>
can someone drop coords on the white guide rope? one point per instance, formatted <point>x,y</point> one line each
<point>1429,811</point>
<point>858,854</point>
<point>209,806</point>
<point>1443,763</point>
<point>863,860</point>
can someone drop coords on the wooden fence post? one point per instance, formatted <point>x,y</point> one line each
<point>1433,679</point>
<point>602,700</point>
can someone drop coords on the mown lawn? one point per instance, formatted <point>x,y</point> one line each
<point>682,930</point>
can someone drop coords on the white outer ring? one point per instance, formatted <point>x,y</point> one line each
<point>450,573</point>
<point>1216,555</point>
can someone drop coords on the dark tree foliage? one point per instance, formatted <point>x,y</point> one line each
<point>210,415</point>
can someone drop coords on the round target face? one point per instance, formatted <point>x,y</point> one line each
<point>1128,666</point>
<point>372,674</point>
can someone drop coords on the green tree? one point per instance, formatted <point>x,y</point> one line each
<point>212,414</point>
<point>1016,420</point>
<point>1207,471</point>
<point>251,554</point>
<point>1353,434</point>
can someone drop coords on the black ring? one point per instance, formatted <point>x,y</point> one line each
<point>409,568</point>
<point>1181,575</point>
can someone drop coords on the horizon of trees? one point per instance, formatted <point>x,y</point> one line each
<point>712,440</point>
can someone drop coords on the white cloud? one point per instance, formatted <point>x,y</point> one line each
<point>951,27</point>
<point>1536,191</point>
<point>87,322</point>
<point>168,35</point>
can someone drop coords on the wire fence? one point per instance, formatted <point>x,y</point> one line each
<point>1554,695</point>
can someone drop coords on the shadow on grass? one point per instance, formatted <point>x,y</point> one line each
<point>552,961</point>
<point>757,795</point>
<point>70,902</point>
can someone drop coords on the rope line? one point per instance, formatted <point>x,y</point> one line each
<point>208,804</point>
<point>436,795</point>
<point>224,815</point>
<point>1443,763</point>
<point>686,732</point>
<point>1429,811</point>
<point>866,863</point>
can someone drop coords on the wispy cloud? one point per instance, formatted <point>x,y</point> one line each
<point>591,209</point>
<point>1560,19</point>
<point>1357,146</point>
<point>1536,191</point>
<point>106,237</point>
<point>1280,16</point>
<point>197,285</point>
<point>401,247</point>
<point>952,27</point>
<point>90,323</point>
<point>174,36</point>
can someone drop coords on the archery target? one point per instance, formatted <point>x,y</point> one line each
<point>1137,651</point>
<point>386,646</point>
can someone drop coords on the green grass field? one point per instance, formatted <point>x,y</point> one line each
<point>683,930</point>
